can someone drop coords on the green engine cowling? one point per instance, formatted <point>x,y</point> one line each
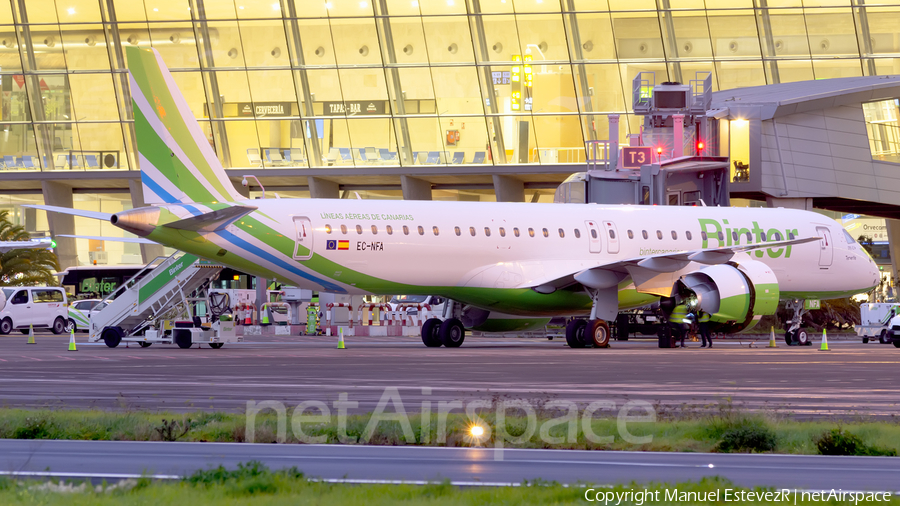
<point>736,296</point>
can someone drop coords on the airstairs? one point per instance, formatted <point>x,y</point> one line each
<point>138,303</point>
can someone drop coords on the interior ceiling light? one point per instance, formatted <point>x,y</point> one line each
<point>363,5</point>
<point>327,5</point>
<point>276,7</point>
<point>71,10</point>
<point>155,9</point>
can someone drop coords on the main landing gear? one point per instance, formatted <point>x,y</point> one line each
<point>594,332</point>
<point>449,333</point>
<point>587,334</point>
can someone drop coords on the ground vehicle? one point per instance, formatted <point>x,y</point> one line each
<point>436,303</point>
<point>80,313</point>
<point>875,320</point>
<point>38,306</point>
<point>893,334</point>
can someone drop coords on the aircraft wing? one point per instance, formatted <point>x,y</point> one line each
<point>139,240</point>
<point>32,244</point>
<point>75,212</point>
<point>655,273</point>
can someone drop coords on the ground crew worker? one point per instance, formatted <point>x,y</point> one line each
<point>676,321</point>
<point>703,321</point>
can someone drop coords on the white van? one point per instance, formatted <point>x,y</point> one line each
<point>41,306</point>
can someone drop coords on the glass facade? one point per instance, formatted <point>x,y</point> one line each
<point>369,83</point>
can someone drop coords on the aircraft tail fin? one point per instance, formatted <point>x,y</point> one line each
<point>178,165</point>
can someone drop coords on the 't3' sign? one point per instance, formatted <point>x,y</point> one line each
<point>635,156</point>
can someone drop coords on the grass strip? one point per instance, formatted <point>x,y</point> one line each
<point>723,431</point>
<point>254,484</point>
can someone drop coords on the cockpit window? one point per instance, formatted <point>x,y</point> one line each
<point>849,238</point>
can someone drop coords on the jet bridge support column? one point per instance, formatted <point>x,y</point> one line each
<point>58,194</point>
<point>415,188</point>
<point>509,189</point>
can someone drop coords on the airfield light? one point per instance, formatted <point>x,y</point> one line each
<point>700,146</point>
<point>476,431</point>
<point>659,150</point>
<point>53,243</point>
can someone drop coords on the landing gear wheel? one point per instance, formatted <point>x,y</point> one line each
<point>452,333</point>
<point>622,328</point>
<point>883,338</point>
<point>789,338</point>
<point>431,333</point>
<point>59,325</point>
<point>597,334</point>
<point>865,340</point>
<point>5,326</point>
<point>183,339</point>
<point>802,338</point>
<point>112,336</point>
<point>215,346</point>
<point>145,344</point>
<point>575,333</point>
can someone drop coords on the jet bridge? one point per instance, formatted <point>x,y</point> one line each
<point>673,160</point>
<point>163,288</point>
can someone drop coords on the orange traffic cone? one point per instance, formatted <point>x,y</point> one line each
<point>248,315</point>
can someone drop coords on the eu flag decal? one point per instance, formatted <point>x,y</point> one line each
<point>331,245</point>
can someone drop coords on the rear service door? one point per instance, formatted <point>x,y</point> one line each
<point>595,242</point>
<point>612,237</point>
<point>303,248</point>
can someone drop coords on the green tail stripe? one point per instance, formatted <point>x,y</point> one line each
<point>148,75</point>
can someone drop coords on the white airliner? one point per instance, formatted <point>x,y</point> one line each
<point>524,260</point>
<point>44,242</point>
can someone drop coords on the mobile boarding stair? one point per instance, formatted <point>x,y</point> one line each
<point>136,311</point>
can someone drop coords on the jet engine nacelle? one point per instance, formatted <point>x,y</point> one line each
<point>736,296</point>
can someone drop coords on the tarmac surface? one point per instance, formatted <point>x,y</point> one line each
<point>851,379</point>
<point>463,466</point>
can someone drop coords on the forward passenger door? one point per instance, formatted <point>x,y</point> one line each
<point>304,238</point>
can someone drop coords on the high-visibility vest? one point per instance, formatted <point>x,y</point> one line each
<point>678,314</point>
<point>704,317</point>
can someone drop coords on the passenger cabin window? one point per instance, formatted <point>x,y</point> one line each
<point>405,230</point>
<point>502,232</point>
<point>721,236</point>
<point>644,234</point>
<point>545,232</point>
<point>577,234</point>
<point>734,236</point>
<point>359,229</point>
<point>562,233</point>
<point>703,236</point>
<point>421,230</point>
<point>472,231</point>
<point>435,230</point>
<point>530,232</point>
<point>516,231</point>
<point>457,231</point>
<point>675,235</point>
<point>327,228</point>
<point>344,229</point>
<point>593,234</point>
<point>762,235</point>
<point>791,236</point>
<point>749,237</point>
<point>374,230</point>
<point>777,237</point>
<point>687,234</point>
<point>612,234</point>
<point>487,231</point>
<point>389,229</point>
<point>659,234</point>
<point>630,234</point>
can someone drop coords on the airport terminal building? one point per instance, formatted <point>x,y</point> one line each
<point>423,99</point>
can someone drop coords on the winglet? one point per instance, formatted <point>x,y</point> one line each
<point>178,165</point>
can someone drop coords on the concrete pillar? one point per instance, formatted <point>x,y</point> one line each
<point>261,295</point>
<point>148,251</point>
<point>58,194</point>
<point>893,230</point>
<point>509,189</point>
<point>613,155</point>
<point>323,189</point>
<point>415,189</point>
<point>804,204</point>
